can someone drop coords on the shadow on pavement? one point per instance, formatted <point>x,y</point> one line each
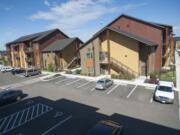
<point>84,117</point>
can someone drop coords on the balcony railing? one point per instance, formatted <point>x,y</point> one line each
<point>103,57</point>
<point>30,59</point>
<point>16,53</point>
<point>29,49</point>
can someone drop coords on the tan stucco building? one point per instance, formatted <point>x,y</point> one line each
<point>113,51</point>
<point>62,54</point>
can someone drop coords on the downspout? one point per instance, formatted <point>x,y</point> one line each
<point>94,66</point>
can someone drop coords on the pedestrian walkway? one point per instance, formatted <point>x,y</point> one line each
<point>177,59</point>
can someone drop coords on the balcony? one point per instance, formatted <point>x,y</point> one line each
<point>16,53</point>
<point>103,57</point>
<point>28,50</point>
<point>29,59</point>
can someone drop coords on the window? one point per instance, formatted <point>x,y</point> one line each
<point>89,54</point>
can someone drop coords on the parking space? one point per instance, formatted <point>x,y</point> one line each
<point>30,114</point>
<point>141,94</point>
<point>122,91</point>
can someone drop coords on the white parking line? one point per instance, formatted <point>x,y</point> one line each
<point>61,80</point>
<point>112,89</point>
<point>92,89</point>
<point>84,84</point>
<point>151,100</point>
<point>132,91</point>
<point>72,82</point>
<point>11,122</point>
<point>55,126</point>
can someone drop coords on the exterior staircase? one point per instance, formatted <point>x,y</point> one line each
<point>75,59</point>
<point>122,68</point>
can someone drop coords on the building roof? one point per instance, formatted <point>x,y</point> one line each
<point>35,37</point>
<point>129,35</point>
<point>177,38</point>
<point>157,25</point>
<point>3,52</point>
<point>59,45</point>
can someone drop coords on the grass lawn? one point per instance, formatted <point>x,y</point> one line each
<point>168,76</point>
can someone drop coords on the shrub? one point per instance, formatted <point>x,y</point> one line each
<point>122,76</point>
<point>78,71</point>
<point>68,72</point>
<point>50,68</point>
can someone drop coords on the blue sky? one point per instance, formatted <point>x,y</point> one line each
<point>79,18</point>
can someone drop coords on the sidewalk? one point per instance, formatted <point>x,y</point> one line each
<point>177,58</point>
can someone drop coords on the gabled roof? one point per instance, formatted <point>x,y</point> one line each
<point>129,35</point>
<point>35,37</point>
<point>59,44</point>
<point>157,25</point>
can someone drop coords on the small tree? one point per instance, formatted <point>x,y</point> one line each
<point>50,67</point>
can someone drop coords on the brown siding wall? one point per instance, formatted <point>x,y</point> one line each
<point>146,31</point>
<point>38,47</point>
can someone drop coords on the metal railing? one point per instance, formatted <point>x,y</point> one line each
<point>103,58</point>
<point>28,49</point>
<point>123,67</point>
<point>70,63</point>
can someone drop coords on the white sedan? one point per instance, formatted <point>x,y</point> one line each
<point>164,92</point>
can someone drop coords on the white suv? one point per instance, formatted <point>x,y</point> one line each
<point>164,92</point>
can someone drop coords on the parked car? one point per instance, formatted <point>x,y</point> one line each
<point>178,51</point>
<point>106,127</point>
<point>103,83</point>
<point>31,72</point>
<point>7,96</point>
<point>17,71</point>
<point>6,69</point>
<point>164,92</point>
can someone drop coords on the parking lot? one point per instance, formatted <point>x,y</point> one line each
<point>7,79</point>
<point>71,106</point>
<point>124,91</point>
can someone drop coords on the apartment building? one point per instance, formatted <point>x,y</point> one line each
<point>177,43</point>
<point>62,54</point>
<point>129,45</point>
<point>26,51</point>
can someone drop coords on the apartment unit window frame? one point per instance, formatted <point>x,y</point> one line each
<point>89,54</point>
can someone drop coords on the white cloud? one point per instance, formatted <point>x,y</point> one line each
<point>132,6</point>
<point>46,2</point>
<point>73,14</point>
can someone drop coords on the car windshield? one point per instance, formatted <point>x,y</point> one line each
<point>165,88</point>
<point>100,82</point>
<point>101,129</point>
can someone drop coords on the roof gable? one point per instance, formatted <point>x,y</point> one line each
<point>35,37</point>
<point>60,44</point>
<point>129,35</point>
<point>157,25</point>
